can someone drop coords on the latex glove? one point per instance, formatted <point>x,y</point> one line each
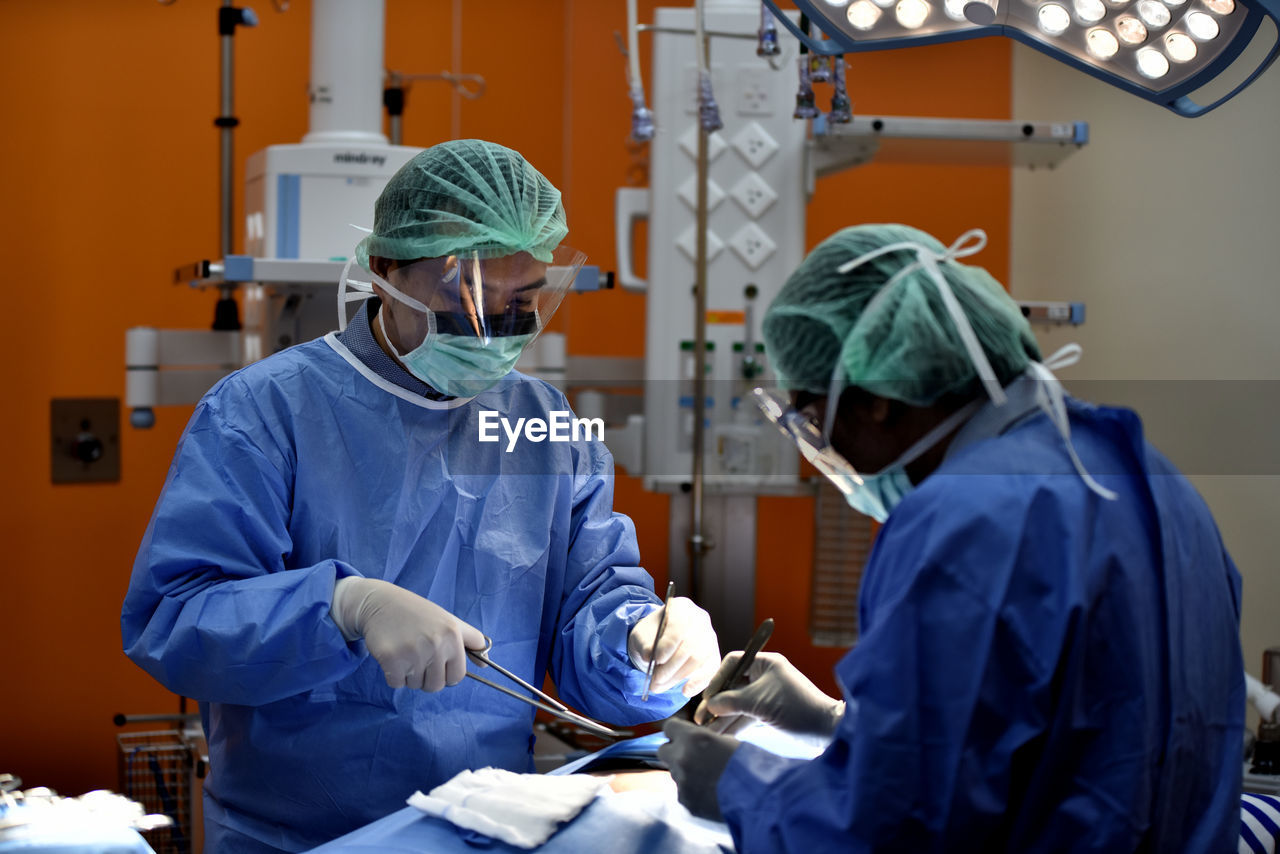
<point>417,643</point>
<point>696,759</point>
<point>688,648</point>
<point>773,691</point>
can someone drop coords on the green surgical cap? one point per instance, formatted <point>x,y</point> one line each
<point>904,346</point>
<point>465,196</point>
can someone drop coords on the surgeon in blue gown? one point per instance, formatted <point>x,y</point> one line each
<point>1048,656</point>
<point>338,527</point>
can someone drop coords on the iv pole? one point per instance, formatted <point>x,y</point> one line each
<point>708,123</point>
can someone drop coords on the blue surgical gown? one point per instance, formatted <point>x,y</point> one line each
<point>309,466</point>
<point>1038,668</point>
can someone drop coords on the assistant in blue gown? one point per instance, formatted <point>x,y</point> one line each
<point>328,460</point>
<point>1038,668</point>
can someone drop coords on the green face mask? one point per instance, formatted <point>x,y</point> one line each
<point>462,365</point>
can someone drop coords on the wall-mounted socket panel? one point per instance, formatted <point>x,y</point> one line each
<point>84,439</point>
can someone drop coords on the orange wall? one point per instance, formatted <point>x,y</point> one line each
<point>110,180</point>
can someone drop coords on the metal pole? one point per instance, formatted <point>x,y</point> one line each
<point>698,544</point>
<point>226,316</point>
<point>226,123</point>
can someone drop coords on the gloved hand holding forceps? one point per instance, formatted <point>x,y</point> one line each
<point>417,643</point>
<point>687,648</point>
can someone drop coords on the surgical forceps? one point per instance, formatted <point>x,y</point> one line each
<point>662,624</point>
<point>545,702</point>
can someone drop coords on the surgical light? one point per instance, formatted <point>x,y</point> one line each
<point>1130,30</point>
<point>912,13</point>
<point>1155,13</point>
<point>1054,19</point>
<point>1180,47</point>
<point>1102,44</point>
<point>863,14</point>
<point>1165,51</point>
<point>1202,26</point>
<point>1090,11</point>
<point>1152,63</point>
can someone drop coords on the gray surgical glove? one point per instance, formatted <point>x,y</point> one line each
<point>775,692</point>
<point>696,759</point>
<point>417,643</point>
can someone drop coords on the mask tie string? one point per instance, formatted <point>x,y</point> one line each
<point>969,243</point>
<point>1051,399</point>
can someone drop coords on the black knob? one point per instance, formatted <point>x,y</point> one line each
<point>86,447</point>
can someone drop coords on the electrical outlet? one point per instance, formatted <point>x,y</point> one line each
<point>688,193</point>
<point>754,91</point>
<point>755,144</point>
<point>753,194</point>
<point>84,438</point>
<point>688,244</point>
<point>752,245</point>
<point>689,144</point>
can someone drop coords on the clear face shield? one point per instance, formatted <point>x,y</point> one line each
<point>484,299</point>
<point>460,323</point>
<point>808,437</point>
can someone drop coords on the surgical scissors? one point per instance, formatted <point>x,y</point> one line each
<point>545,702</point>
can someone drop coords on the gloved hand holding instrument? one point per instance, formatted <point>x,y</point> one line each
<point>422,646</point>
<point>417,643</point>
<point>675,643</point>
<point>768,688</point>
<point>697,756</point>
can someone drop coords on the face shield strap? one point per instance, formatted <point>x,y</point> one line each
<point>362,291</point>
<point>833,400</point>
<point>941,429</point>
<point>924,443</point>
<point>1052,401</point>
<point>969,243</point>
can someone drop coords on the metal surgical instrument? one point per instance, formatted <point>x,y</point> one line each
<point>653,654</point>
<point>734,680</point>
<point>545,702</point>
